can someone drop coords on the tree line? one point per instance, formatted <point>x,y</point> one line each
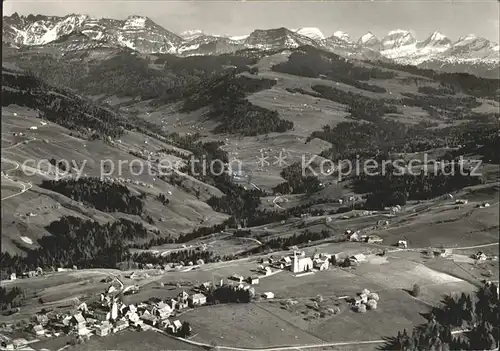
<point>104,196</point>
<point>75,241</point>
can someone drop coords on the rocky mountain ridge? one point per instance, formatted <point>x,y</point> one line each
<point>144,35</point>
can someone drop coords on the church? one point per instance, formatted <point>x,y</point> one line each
<point>301,264</point>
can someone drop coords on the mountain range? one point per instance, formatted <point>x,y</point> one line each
<point>470,54</point>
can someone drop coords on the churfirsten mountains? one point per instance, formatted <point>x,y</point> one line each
<point>469,54</point>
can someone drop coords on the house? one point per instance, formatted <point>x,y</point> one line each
<point>164,324</point>
<point>356,259</point>
<point>445,252</point>
<point>33,128</point>
<point>354,237</point>
<point>175,326</point>
<point>480,256</point>
<point>41,318</point>
<point>286,261</point>
<point>102,313</point>
<point>363,297</point>
<point>374,239</point>
<point>13,276</point>
<point>135,321</point>
<point>120,325</point>
<point>268,295</point>
<point>358,301</point>
<point>38,330</point>
<point>237,277</point>
<point>182,304</point>
<point>402,244</point>
<point>320,264</point>
<point>302,264</point>
<point>172,303</point>
<point>149,319</point>
<point>266,270</point>
<point>253,280</point>
<point>461,201</point>
<point>82,331</point>
<point>198,300</point>
<point>103,329</point>
<point>78,320</point>
<point>163,310</point>
<point>205,286</point>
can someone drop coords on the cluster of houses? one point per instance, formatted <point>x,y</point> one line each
<point>365,300</point>
<point>121,180</point>
<point>358,237</point>
<point>110,315</point>
<point>299,263</point>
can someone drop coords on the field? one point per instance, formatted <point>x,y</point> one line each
<point>246,325</point>
<point>131,341</point>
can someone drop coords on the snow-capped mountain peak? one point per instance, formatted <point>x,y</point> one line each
<point>342,35</point>
<point>139,33</point>
<point>369,40</point>
<point>310,32</point>
<point>398,38</point>
<point>437,36</point>
<point>133,22</point>
<point>436,39</point>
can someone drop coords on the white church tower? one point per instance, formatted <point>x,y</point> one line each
<point>295,263</point>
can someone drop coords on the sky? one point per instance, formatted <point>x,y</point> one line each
<point>452,18</point>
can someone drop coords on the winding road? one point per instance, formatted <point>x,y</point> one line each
<point>25,186</point>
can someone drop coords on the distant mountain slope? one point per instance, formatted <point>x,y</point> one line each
<point>470,54</point>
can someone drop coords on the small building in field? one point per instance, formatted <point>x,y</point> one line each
<point>461,201</point>
<point>268,295</point>
<point>480,256</point>
<point>237,278</point>
<point>197,300</point>
<point>357,259</point>
<point>266,270</point>
<point>13,276</point>
<point>402,244</point>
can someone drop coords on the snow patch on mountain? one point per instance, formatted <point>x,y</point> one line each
<point>191,34</point>
<point>310,32</point>
<point>367,37</point>
<point>398,31</point>
<point>239,37</point>
<point>134,22</point>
